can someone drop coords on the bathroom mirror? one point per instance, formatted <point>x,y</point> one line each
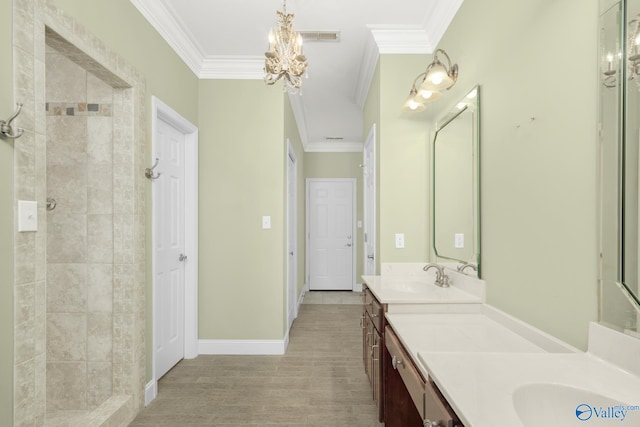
<point>619,109</point>
<point>455,193</point>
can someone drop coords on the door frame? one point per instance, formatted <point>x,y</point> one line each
<point>292,226</point>
<point>161,111</point>
<point>353,226</point>
<point>369,217</point>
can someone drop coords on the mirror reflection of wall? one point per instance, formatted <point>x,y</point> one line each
<point>619,164</point>
<point>456,183</point>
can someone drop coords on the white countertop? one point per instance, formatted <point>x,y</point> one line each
<point>416,290</point>
<point>479,386</point>
<point>455,333</point>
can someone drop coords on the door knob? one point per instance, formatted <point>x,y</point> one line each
<point>182,257</point>
<point>291,253</point>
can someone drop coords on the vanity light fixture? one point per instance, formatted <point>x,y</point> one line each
<point>436,78</point>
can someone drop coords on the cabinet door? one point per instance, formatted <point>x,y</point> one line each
<point>376,366</point>
<point>399,409</point>
<point>369,331</point>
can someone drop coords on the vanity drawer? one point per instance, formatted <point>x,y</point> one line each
<point>401,361</point>
<point>374,309</point>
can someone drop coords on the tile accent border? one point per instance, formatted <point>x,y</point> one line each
<point>78,109</point>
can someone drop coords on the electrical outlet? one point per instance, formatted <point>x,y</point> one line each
<point>399,240</point>
<point>459,240</point>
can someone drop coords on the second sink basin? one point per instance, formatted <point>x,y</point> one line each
<point>563,405</point>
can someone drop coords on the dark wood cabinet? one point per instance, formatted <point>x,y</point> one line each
<point>373,323</point>
<point>410,399</point>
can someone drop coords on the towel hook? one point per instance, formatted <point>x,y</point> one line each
<point>148,172</point>
<point>6,130</point>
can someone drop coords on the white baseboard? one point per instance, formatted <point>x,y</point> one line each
<point>302,294</point>
<point>150,392</point>
<point>243,347</point>
<point>357,287</point>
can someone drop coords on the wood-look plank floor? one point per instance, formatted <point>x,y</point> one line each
<point>320,381</point>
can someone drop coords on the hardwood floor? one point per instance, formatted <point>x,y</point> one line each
<point>320,381</point>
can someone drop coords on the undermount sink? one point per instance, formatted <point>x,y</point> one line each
<point>562,405</point>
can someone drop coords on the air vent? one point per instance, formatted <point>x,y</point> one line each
<point>334,138</point>
<point>320,36</point>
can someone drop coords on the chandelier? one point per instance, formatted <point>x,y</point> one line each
<point>435,78</point>
<point>632,57</point>
<point>284,59</point>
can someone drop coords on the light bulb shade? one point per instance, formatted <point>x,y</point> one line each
<point>411,105</point>
<point>424,96</point>
<point>437,78</point>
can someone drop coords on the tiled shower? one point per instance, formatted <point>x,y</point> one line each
<point>80,279</point>
<point>79,236</point>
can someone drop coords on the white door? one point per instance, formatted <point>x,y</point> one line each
<point>370,203</point>
<point>169,258</point>
<point>292,254</point>
<point>331,234</point>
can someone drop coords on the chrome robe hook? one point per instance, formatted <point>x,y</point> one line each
<point>6,130</point>
<point>148,172</point>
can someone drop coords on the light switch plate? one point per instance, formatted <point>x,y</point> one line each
<point>27,215</point>
<point>266,222</point>
<point>459,240</point>
<point>399,240</point>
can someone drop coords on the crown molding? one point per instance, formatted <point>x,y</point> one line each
<point>438,19</point>
<point>156,13</point>
<point>301,119</point>
<point>368,64</point>
<point>410,39</point>
<point>334,147</point>
<point>232,67</point>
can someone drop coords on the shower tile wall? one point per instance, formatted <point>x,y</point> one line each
<point>79,236</point>
<point>106,291</point>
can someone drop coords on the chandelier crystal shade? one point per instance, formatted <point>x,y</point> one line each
<point>284,59</point>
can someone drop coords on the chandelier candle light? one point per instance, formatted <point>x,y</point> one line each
<point>285,58</point>
<point>437,77</point>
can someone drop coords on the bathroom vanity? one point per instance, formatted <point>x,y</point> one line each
<point>402,294</point>
<point>447,359</point>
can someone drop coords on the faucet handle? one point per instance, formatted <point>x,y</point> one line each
<point>444,281</point>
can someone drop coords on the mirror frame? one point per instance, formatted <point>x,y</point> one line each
<point>471,103</point>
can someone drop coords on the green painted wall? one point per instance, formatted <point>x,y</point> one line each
<point>6,222</point>
<point>242,177</point>
<point>539,248</point>
<point>403,159</point>
<point>342,165</point>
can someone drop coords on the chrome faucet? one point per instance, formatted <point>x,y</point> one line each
<point>461,267</point>
<point>442,279</point>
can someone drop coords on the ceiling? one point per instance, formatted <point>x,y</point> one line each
<point>226,39</point>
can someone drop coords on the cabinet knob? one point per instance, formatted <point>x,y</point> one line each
<point>429,423</point>
<point>395,362</point>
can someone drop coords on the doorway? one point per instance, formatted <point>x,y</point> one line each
<point>292,235</point>
<point>330,234</point>
<point>175,230</point>
<point>369,171</point>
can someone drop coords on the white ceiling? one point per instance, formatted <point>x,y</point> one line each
<point>228,38</point>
